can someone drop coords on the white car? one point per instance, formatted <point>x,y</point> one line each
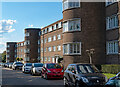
<point>27,68</point>
<point>36,69</point>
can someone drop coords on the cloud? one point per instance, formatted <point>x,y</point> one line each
<point>30,25</point>
<point>6,26</point>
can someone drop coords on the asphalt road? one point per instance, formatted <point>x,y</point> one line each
<point>16,78</point>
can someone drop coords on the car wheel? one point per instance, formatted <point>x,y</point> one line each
<point>46,77</point>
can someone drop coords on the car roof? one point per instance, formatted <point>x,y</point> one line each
<point>81,64</point>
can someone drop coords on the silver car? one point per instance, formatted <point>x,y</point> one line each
<point>36,68</point>
<point>27,68</point>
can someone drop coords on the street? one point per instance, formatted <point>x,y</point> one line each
<point>16,77</point>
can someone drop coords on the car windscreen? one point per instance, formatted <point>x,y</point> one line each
<point>28,64</point>
<point>38,65</point>
<point>53,66</point>
<point>87,68</point>
<point>18,63</point>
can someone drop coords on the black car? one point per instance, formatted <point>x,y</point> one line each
<point>83,75</point>
<point>114,81</point>
<point>17,65</point>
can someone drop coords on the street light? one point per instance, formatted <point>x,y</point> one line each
<point>90,53</point>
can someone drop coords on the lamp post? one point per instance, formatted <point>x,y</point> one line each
<point>90,52</point>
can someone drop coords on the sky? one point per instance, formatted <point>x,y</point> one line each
<point>16,16</point>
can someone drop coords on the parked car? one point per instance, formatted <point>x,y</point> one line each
<point>10,65</point>
<point>114,81</point>
<point>36,68</point>
<point>17,65</point>
<point>52,70</point>
<point>83,75</point>
<point>27,68</point>
<point>6,65</point>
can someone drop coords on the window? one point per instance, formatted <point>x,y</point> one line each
<point>50,29</point>
<point>27,50</point>
<point>59,24</point>
<point>45,49</point>
<point>8,46</point>
<point>22,44</point>
<point>109,2</point>
<point>45,30</point>
<point>8,51</point>
<point>27,42</point>
<point>49,39</point>
<point>45,40</point>
<point>112,22</point>
<point>54,48</point>
<point>27,34</point>
<point>42,32</point>
<point>49,49</point>
<point>41,41</point>
<point>59,37</point>
<point>112,47</point>
<point>38,41</point>
<point>71,4</point>
<point>59,48</point>
<point>39,33</point>
<point>41,58</point>
<point>55,27</point>
<point>71,25</point>
<point>41,49</point>
<point>8,55</point>
<point>72,48</point>
<point>54,38</point>
<point>48,58</point>
<point>45,58</point>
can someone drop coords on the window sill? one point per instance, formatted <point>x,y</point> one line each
<point>71,54</point>
<point>72,31</point>
<point>112,53</point>
<point>112,28</point>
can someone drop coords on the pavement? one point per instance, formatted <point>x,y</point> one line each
<point>15,78</point>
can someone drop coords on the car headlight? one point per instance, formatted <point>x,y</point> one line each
<point>49,71</point>
<point>85,80</point>
<point>34,70</point>
<point>106,79</point>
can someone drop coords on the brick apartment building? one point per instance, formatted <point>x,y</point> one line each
<point>27,49</point>
<point>85,25</point>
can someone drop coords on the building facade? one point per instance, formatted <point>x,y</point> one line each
<point>85,26</point>
<point>112,33</point>
<point>51,43</point>
<point>27,49</point>
<point>11,53</point>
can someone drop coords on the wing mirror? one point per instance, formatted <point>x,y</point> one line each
<point>73,71</point>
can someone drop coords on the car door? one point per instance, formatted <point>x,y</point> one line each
<point>73,74</point>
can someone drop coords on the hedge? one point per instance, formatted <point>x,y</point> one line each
<point>109,68</point>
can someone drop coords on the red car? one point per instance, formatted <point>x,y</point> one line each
<point>52,70</point>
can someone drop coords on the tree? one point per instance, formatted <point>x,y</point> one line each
<point>20,59</point>
<point>3,57</point>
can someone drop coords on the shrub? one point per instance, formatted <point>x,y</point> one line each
<point>113,68</point>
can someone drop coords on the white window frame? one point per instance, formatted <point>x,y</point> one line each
<point>72,23</point>
<point>50,29</point>
<point>110,2</point>
<point>59,47</point>
<point>27,34</point>
<point>49,49</point>
<point>45,40</point>
<point>68,48</point>
<point>54,38</point>
<point>54,48</point>
<point>49,59</point>
<point>112,47</point>
<point>112,22</point>
<point>59,36</point>
<point>49,39</point>
<point>68,4</point>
